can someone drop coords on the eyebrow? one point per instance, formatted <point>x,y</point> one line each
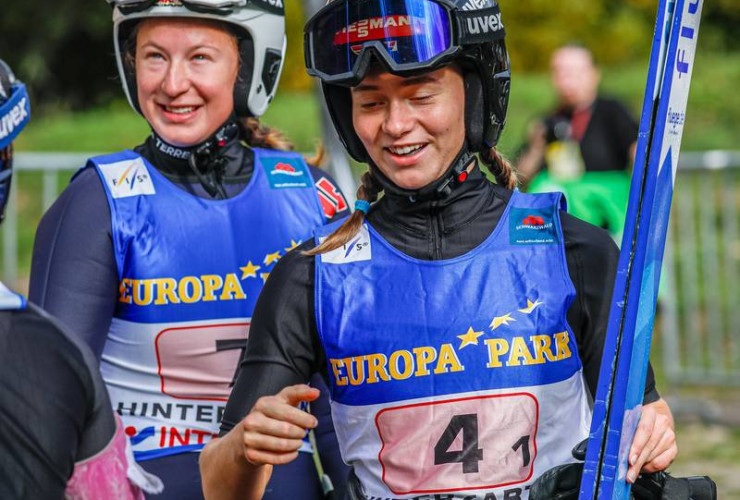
<point>407,82</point>
<point>155,45</point>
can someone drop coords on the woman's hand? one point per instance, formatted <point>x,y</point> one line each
<point>654,446</point>
<point>238,465</point>
<point>274,430</point>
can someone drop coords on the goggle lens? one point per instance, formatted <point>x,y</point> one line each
<point>404,32</point>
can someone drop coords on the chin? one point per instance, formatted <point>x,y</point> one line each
<point>181,138</point>
<point>411,182</point>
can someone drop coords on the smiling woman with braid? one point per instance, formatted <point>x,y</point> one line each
<point>458,322</point>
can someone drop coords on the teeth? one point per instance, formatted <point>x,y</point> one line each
<point>405,150</point>
<point>180,111</point>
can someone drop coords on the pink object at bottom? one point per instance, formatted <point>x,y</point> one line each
<point>104,475</point>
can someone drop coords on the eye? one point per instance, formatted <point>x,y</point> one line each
<point>153,55</point>
<point>369,105</point>
<point>422,98</point>
<point>201,57</point>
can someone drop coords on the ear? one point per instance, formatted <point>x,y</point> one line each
<point>474,120</point>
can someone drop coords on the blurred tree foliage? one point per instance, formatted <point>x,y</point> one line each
<point>64,50</point>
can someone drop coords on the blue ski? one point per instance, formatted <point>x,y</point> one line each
<point>618,401</point>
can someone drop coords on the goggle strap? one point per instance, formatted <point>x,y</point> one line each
<point>14,115</point>
<point>133,7</point>
<point>203,9</point>
<point>479,26</point>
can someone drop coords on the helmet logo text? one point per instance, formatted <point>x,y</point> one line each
<point>485,24</point>
<point>14,118</point>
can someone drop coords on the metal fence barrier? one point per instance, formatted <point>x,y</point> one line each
<point>700,298</point>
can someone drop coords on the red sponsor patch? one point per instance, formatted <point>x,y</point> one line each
<point>285,167</point>
<point>332,201</point>
<point>533,220</point>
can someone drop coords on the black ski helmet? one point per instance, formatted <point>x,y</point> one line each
<point>477,45</point>
<point>15,112</point>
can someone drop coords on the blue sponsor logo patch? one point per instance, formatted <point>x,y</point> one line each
<point>529,226</point>
<point>286,173</point>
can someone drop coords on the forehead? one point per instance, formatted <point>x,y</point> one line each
<point>572,56</point>
<point>379,79</point>
<point>184,30</point>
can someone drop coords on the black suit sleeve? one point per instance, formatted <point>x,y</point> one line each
<point>54,410</point>
<point>283,347</point>
<point>625,127</point>
<point>592,264</point>
<point>74,274</point>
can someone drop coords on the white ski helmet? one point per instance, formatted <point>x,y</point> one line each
<point>260,28</point>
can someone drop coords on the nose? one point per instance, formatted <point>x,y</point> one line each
<point>177,79</point>
<point>399,119</point>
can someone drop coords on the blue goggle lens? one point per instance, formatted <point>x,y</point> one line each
<point>406,33</point>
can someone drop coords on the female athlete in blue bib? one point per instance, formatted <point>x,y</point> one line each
<point>459,323</point>
<point>156,255</point>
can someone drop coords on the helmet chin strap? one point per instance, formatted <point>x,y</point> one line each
<point>205,159</point>
<point>207,162</point>
<point>440,188</point>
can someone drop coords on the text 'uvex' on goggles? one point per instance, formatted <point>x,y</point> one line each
<point>15,113</point>
<point>408,35</point>
<point>221,7</point>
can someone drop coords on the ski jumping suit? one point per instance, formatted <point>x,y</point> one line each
<point>495,299</point>
<point>187,273</point>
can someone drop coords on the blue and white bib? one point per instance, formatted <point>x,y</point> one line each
<point>190,272</point>
<point>458,377</point>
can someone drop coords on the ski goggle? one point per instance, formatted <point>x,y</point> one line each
<point>408,35</point>
<point>221,7</point>
<point>15,114</point>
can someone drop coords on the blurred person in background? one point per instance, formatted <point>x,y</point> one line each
<point>585,147</point>
<point>156,255</point>
<point>59,437</point>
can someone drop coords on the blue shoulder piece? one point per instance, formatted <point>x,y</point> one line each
<point>9,300</point>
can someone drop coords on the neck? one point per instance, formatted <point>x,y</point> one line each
<point>441,228</point>
<point>220,169</point>
<point>174,152</point>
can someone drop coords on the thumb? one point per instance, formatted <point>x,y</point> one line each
<point>296,394</point>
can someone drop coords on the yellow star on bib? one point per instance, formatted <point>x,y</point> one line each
<point>249,271</point>
<point>531,306</point>
<point>293,244</point>
<point>470,338</point>
<point>272,257</point>
<point>501,320</point>
<point>264,276</point>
